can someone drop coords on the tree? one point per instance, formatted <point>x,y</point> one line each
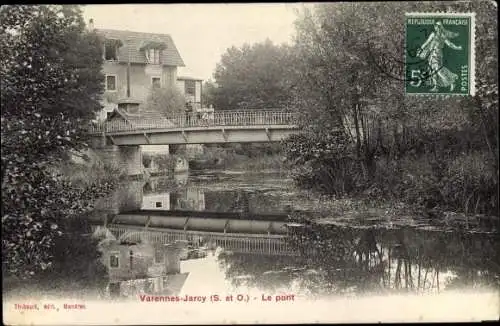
<point>168,100</point>
<point>252,77</point>
<point>208,93</point>
<point>51,85</point>
<point>344,81</point>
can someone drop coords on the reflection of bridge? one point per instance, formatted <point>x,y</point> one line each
<point>251,236</point>
<point>223,127</point>
<point>199,221</point>
<point>270,244</point>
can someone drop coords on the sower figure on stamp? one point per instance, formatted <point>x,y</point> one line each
<point>432,51</point>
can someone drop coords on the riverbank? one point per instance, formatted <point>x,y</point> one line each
<point>236,162</point>
<point>364,212</point>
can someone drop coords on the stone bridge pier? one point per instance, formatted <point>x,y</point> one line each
<point>127,158</point>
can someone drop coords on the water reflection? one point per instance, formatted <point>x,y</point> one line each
<point>216,193</point>
<point>328,259</point>
<point>352,260</point>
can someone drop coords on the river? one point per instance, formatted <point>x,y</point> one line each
<point>364,257</point>
<point>364,269</point>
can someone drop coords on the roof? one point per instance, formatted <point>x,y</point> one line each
<point>188,78</point>
<point>143,119</point>
<point>133,41</point>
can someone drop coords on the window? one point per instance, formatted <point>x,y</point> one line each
<point>114,260</point>
<point>111,49</point>
<point>108,115</point>
<point>111,83</point>
<point>190,87</point>
<point>156,82</point>
<point>153,56</point>
<point>131,255</point>
<point>158,204</point>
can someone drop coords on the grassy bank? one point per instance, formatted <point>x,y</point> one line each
<point>249,158</point>
<point>87,170</point>
<point>365,210</point>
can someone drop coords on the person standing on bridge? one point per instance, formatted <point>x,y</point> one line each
<point>189,110</point>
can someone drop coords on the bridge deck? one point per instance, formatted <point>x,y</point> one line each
<point>189,122</point>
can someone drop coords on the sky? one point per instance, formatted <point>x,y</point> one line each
<point>201,32</point>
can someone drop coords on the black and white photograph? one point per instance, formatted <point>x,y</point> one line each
<point>250,163</point>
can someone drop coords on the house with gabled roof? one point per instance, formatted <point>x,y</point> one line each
<point>134,64</point>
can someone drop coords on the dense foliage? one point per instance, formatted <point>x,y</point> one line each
<point>363,136</point>
<point>51,84</point>
<point>168,100</point>
<point>251,77</point>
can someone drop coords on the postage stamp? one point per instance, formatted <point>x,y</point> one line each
<point>439,55</point>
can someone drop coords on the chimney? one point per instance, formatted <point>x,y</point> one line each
<point>91,24</point>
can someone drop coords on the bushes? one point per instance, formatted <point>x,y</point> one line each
<point>168,100</point>
<point>470,183</point>
<point>324,162</point>
<point>165,162</point>
<point>436,178</point>
<point>97,173</point>
<point>47,100</point>
<point>246,158</point>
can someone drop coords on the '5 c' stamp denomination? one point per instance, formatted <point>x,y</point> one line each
<point>440,53</point>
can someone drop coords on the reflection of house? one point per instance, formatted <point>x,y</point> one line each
<point>153,57</point>
<point>189,199</point>
<point>139,265</point>
<point>156,201</point>
<point>191,89</point>
<point>139,260</point>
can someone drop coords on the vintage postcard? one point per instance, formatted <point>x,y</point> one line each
<point>190,164</point>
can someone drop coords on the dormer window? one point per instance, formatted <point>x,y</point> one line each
<point>111,49</point>
<point>153,51</point>
<point>153,56</point>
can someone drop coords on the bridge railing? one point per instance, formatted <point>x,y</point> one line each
<point>237,242</point>
<point>195,119</point>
